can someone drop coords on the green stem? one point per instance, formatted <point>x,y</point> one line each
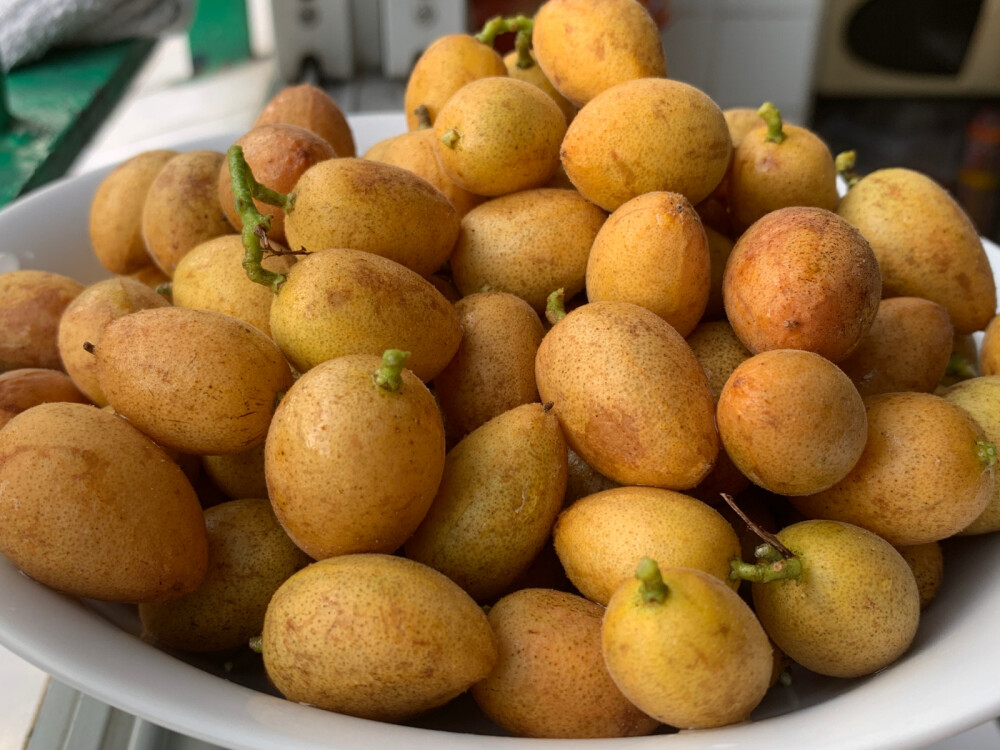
<point>652,589</point>
<point>498,25</point>
<point>256,644</point>
<point>450,138</point>
<point>960,367</point>
<point>423,117</point>
<point>166,289</point>
<point>770,114</point>
<point>255,224</point>
<point>522,43</point>
<point>768,552</point>
<point>555,306</point>
<point>766,571</point>
<point>844,164</point>
<point>987,453</point>
<point>389,377</point>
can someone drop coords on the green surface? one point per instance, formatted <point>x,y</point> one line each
<point>219,34</point>
<point>55,106</point>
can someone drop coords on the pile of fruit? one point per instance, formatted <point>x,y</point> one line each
<point>582,395</point>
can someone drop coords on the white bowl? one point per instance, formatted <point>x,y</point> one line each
<point>949,680</point>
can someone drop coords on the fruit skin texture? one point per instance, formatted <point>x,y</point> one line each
<point>341,301</point>
<point>91,507</point>
<point>766,176</point>
<point>791,421</point>
<point>502,487</point>
<point>311,108</point>
<point>981,398</point>
<point>906,349</point>
<point>31,304</point>
<point>653,251</point>
<point>587,46</point>
<point>375,636</point>
<point>856,609</point>
<point>630,395</point>
<point>677,141</point>
<point>182,207</point>
<point>445,66</point>
<point>920,477</point>
<point>508,134</point>
<point>550,679</point>
<point>352,467</point>
<point>194,380</point>
<point>601,538</point>
<point>529,244</point>
<point>249,557</point>
<point>802,278</point>
<point>375,207</point>
<point>494,368</point>
<point>925,243</point>
<point>277,155</point>
<point>116,212</point>
<point>84,320</point>
<point>699,659</point>
<point>30,386</point>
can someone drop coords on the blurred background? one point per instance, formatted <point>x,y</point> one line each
<point>912,83</point>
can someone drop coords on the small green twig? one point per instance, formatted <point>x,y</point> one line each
<point>986,452</point>
<point>257,644</point>
<point>389,377</point>
<point>450,138</point>
<point>766,571</point>
<point>770,114</point>
<point>555,306</point>
<point>423,117</point>
<point>166,289</point>
<point>255,224</point>
<point>520,24</point>
<point>652,589</point>
<point>844,164</point>
<point>960,367</point>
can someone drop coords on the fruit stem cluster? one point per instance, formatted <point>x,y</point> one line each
<point>844,164</point>
<point>255,224</point>
<point>520,24</point>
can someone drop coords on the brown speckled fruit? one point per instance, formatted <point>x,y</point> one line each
<point>906,349</point>
<point>791,421</point>
<point>550,679</point>
<point>443,68</point>
<point>587,46</point>
<point>696,658</point>
<point>989,352</point>
<point>31,304</point>
<point>981,398</point>
<point>534,75</point>
<point>277,155</point>
<point>194,380</point>
<point>249,557</point>
<point>30,386</point>
<point>212,277</point>
<point>802,278</point>
<point>182,207</point>
<point>601,538</point>
<point>529,243</point>
<point>925,243</point>
<point>84,321</point>
<point>378,208</point>
<point>390,451</point>
<point>925,473</point>
<point>653,251</point>
<point>676,140</point>
<point>630,395</point>
<point>498,135</point>
<point>311,108</point>
<point>927,563</point>
<point>375,636</point>
<point>238,475</point>
<point>494,367</point>
<point>116,212</point>
<point>718,351</point>
<point>93,508</point>
<point>856,608</point>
